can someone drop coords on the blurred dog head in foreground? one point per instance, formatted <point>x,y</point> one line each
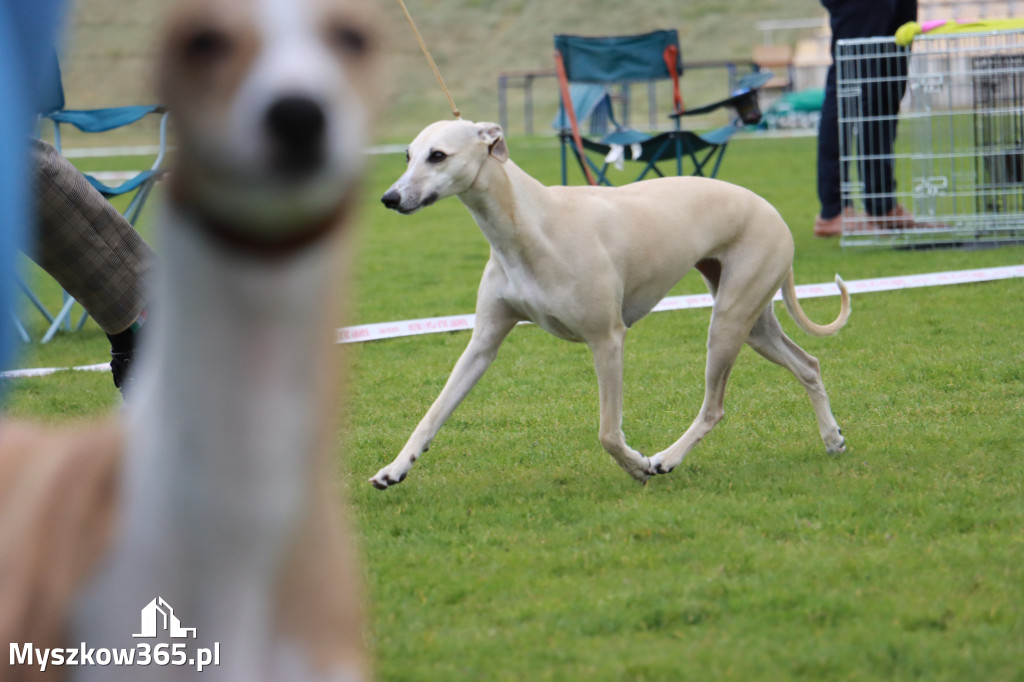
<point>262,93</point>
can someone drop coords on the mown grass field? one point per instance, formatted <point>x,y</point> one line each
<point>517,550</point>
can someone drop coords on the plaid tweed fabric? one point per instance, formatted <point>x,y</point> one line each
<point>86,245</point>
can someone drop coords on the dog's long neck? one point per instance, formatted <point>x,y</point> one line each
<point>225,436</point>
<point>508,205</point>
<point>236,388</point>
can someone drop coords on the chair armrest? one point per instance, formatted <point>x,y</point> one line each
<point>129,185</point>
<point>739,99</point>
<point>102,120</point>
<point>706,109</point>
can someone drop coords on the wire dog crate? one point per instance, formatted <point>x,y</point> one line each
<point>937,129</point>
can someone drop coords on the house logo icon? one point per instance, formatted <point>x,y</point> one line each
<point>158,617</point>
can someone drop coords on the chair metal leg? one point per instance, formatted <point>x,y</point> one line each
<point>718,161</point>
<point>131,214</point>
<point>602,173</point>
<point>699,163</point>
<point>34,300</point>
<point>585,162</point>
<point>20,328</point>
<point>63,318</point>
<point>652,164</point>
<point>565,160</point>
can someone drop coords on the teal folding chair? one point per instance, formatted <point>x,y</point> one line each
<point>587,66</point>
<point>138,187</point>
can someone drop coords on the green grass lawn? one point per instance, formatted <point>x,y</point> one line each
<point>517,550</point>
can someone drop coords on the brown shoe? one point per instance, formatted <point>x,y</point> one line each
<point>832,227</point>
<point>898,218</point>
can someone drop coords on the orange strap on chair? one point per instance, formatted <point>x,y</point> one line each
<point>671,56</point>
<point>563,84</point>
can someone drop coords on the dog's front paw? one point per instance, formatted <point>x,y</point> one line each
<point>659,466</point>
<point>385,478</point>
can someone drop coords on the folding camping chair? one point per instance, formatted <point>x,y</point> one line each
<point>138,187</point>
<point>586,66</point>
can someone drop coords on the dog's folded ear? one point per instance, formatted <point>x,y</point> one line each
<point>492,134</point>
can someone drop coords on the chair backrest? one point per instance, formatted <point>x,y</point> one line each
<point>620,59</point>
<point>588,100</point>
<point>50,93</point>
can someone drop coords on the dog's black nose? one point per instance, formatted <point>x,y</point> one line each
<point>297,126</point>
<point>391,199</point>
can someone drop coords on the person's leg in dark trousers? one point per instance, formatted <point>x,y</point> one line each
<point>882,99</point>
<point>881,104</point>
<point>829,176</point>
<point>851,19</point>
<point>92,252</point>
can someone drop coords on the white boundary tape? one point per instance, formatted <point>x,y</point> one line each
<point>434,325</point>
<point>100,152</point>
<point>44,371</point>
<point>153,150</point>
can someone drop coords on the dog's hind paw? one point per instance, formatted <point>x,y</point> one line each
<point>641,477</point>
<point>837,446</point>
<point>640,471</point>
<point>837,449</point>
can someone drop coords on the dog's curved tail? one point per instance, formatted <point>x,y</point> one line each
<point>801,319</point>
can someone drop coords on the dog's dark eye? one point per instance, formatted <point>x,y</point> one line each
<point>436,157</point>
<point>350,40</point>
<point>407,159</point>
<point>207,45</point>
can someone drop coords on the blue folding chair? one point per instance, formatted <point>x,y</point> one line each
<point>138,187</point>
<point>586,66</point>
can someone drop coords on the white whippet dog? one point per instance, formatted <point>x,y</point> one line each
<point>218,500</point>
<point>585,263</point>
